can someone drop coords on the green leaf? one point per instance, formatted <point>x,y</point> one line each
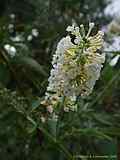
<point>112,132</point>
<point>35,103</point>
<point>32,65</point>
<point>108,148</point>
<point>52,126</point>
<point>103,119</point>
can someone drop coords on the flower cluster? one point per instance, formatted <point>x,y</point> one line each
<point>11,50</point>
<point>76,66</point>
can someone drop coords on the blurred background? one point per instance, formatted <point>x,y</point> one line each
<point>29,33</point>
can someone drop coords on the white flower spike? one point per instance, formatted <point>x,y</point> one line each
<point>76,67</point>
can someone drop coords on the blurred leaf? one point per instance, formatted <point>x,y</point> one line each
<point>32,64</point>
<point>35,103</point>
<point>52,126</point>
<point>108,148</point>
<point>4,74</point>
<point>102,118</point>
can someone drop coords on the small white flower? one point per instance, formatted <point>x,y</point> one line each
<point>10,27</point>
<point>10,50</point>
<point>7,47</point>
<point>70,28</point>
<point>29,38</point>
<point>43,119</point>
<point>12,16</point>
<point>17,38</point>
<point>35,32</point>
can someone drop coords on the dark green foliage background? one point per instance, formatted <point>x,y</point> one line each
<point>93,130</point>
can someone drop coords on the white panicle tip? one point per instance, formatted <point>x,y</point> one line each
<point>91,25</point>
<point>81,26</point>
<point>101,33</point>
<point>70,28</point>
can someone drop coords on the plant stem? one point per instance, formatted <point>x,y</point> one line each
<point>52,139</point>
